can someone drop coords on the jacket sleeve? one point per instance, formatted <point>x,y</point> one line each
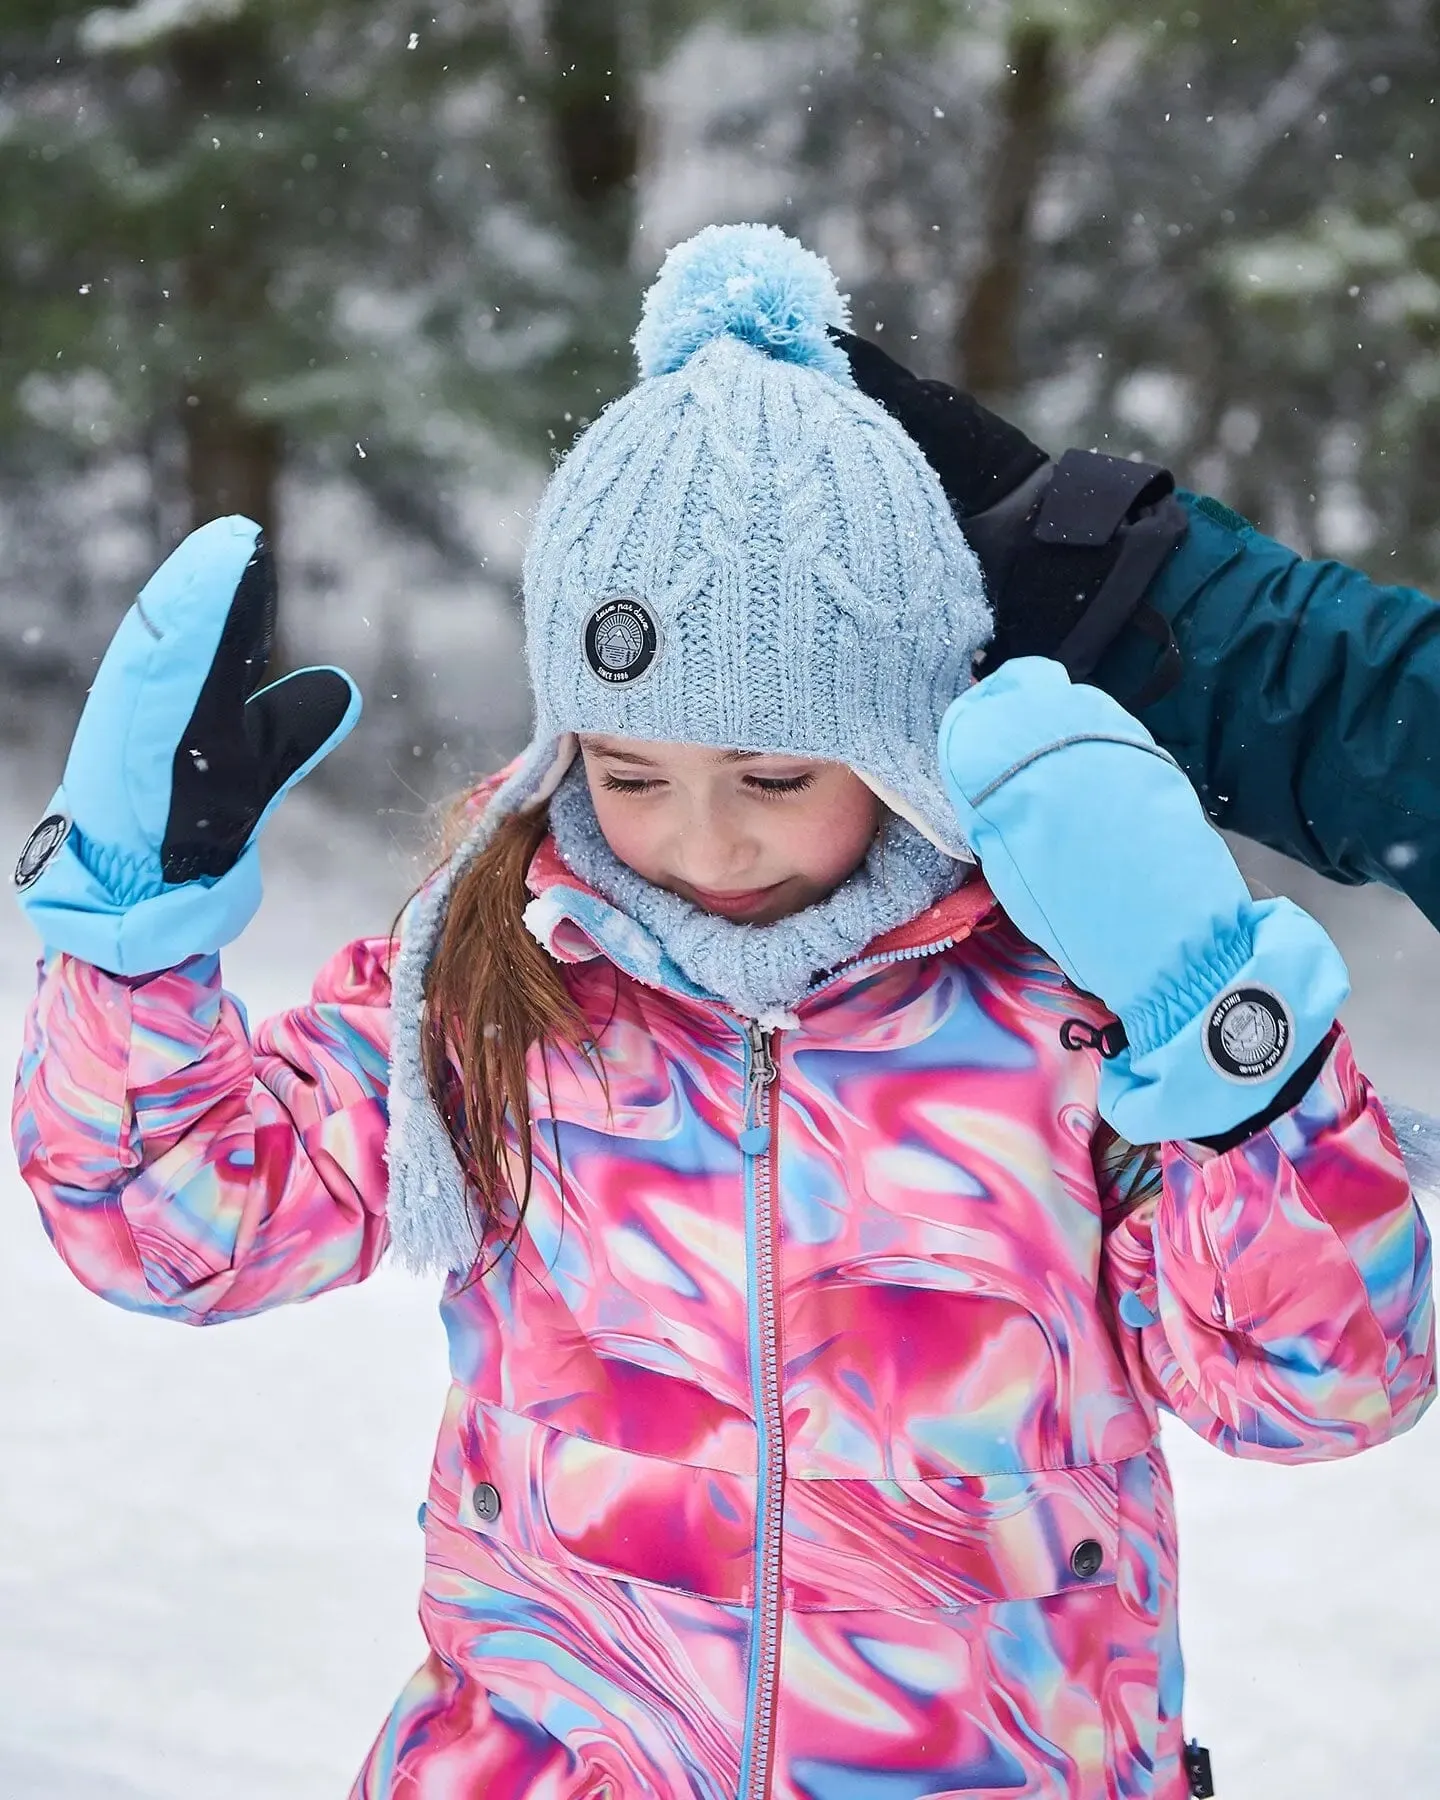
<point>1277,1297</point>
<point>1307,714</point>
<point>183,1169</point>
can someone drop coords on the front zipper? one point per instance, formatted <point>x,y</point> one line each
<point>877,962</point>
<point>757,1140</point>
<point>760,1074</point>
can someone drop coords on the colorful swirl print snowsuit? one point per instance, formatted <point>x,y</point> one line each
<point>807,1446</point>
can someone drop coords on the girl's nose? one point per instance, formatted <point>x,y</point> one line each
<point>710,854</point>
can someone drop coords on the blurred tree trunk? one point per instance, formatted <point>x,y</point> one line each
<point>233,459</point>
<point>985,354</point>
<point>233,464</point>
<point>595,119</point>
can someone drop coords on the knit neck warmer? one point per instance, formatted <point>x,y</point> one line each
<point>759,971</point>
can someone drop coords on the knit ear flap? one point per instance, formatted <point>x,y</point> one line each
<point>749,282</point>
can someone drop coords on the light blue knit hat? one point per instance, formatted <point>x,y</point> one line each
<point>747,552</point>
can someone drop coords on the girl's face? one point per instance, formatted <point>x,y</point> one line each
<point>752,837</point>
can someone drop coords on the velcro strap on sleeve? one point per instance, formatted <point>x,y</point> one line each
<point>1137,558</point>
<point>1091,495</point>
<point>1068,558</point>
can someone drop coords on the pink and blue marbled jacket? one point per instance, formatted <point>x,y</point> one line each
<point>807,1447</point>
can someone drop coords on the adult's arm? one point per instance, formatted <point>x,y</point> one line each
<point>1307,711</point>
<point>1302,698</point>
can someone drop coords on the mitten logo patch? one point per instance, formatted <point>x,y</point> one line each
<point>621,641</point>
<point>1249,1034</point>
<point>42,846</point>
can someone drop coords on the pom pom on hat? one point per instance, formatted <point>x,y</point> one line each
<point>750,282</point>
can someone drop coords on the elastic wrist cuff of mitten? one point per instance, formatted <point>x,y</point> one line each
<point>1256,1022</point>
<point>73,910</point>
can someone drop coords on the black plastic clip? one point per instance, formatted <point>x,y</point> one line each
<point>1109,1040</point>
<point>1197,1767</point>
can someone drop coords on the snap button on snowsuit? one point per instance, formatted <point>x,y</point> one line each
<point>1086,1559</point>
<point>486,1501</point>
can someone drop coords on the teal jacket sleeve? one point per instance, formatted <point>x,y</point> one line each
<point>1308,711</point>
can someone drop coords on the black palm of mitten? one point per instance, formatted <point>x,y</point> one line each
<point>147,854</point>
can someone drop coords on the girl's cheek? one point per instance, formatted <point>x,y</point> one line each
<point>636,831</point>
<point>625,835</point>
<point>810,850</point>
<point>801,843</point>
<point>834,842</point>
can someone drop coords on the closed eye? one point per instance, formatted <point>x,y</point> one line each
<point>616,784</point>
<point>774,784</point>
<point>767,786</point>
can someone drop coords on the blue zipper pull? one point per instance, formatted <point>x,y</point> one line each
<point>754,1135</point>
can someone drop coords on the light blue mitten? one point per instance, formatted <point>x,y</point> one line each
<point>147,854</point>
<point>1095,844</point>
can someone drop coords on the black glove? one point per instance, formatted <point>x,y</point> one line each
<point>979,458</point>
<point>1068,548</point>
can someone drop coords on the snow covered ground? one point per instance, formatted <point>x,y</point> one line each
<point>208,1549</point>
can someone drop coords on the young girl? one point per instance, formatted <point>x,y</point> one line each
<point>824,1225</point>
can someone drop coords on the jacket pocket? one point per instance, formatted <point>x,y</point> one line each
<point>960,1541</point>
<point>849,1544</point>
<point>569,1502</point>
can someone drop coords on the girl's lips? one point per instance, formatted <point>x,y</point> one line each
<point>735,905</point>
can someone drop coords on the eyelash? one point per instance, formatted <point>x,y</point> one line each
<point>767,789</point>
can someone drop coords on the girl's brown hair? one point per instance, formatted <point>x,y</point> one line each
<point>492,992</point>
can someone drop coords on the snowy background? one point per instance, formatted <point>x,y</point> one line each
<point>209,1558</point>
<point>359,268</point>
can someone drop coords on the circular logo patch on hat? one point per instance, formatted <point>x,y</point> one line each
<point>42,846</point>
<point>621,640</point>
<point>1249,1034</point>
